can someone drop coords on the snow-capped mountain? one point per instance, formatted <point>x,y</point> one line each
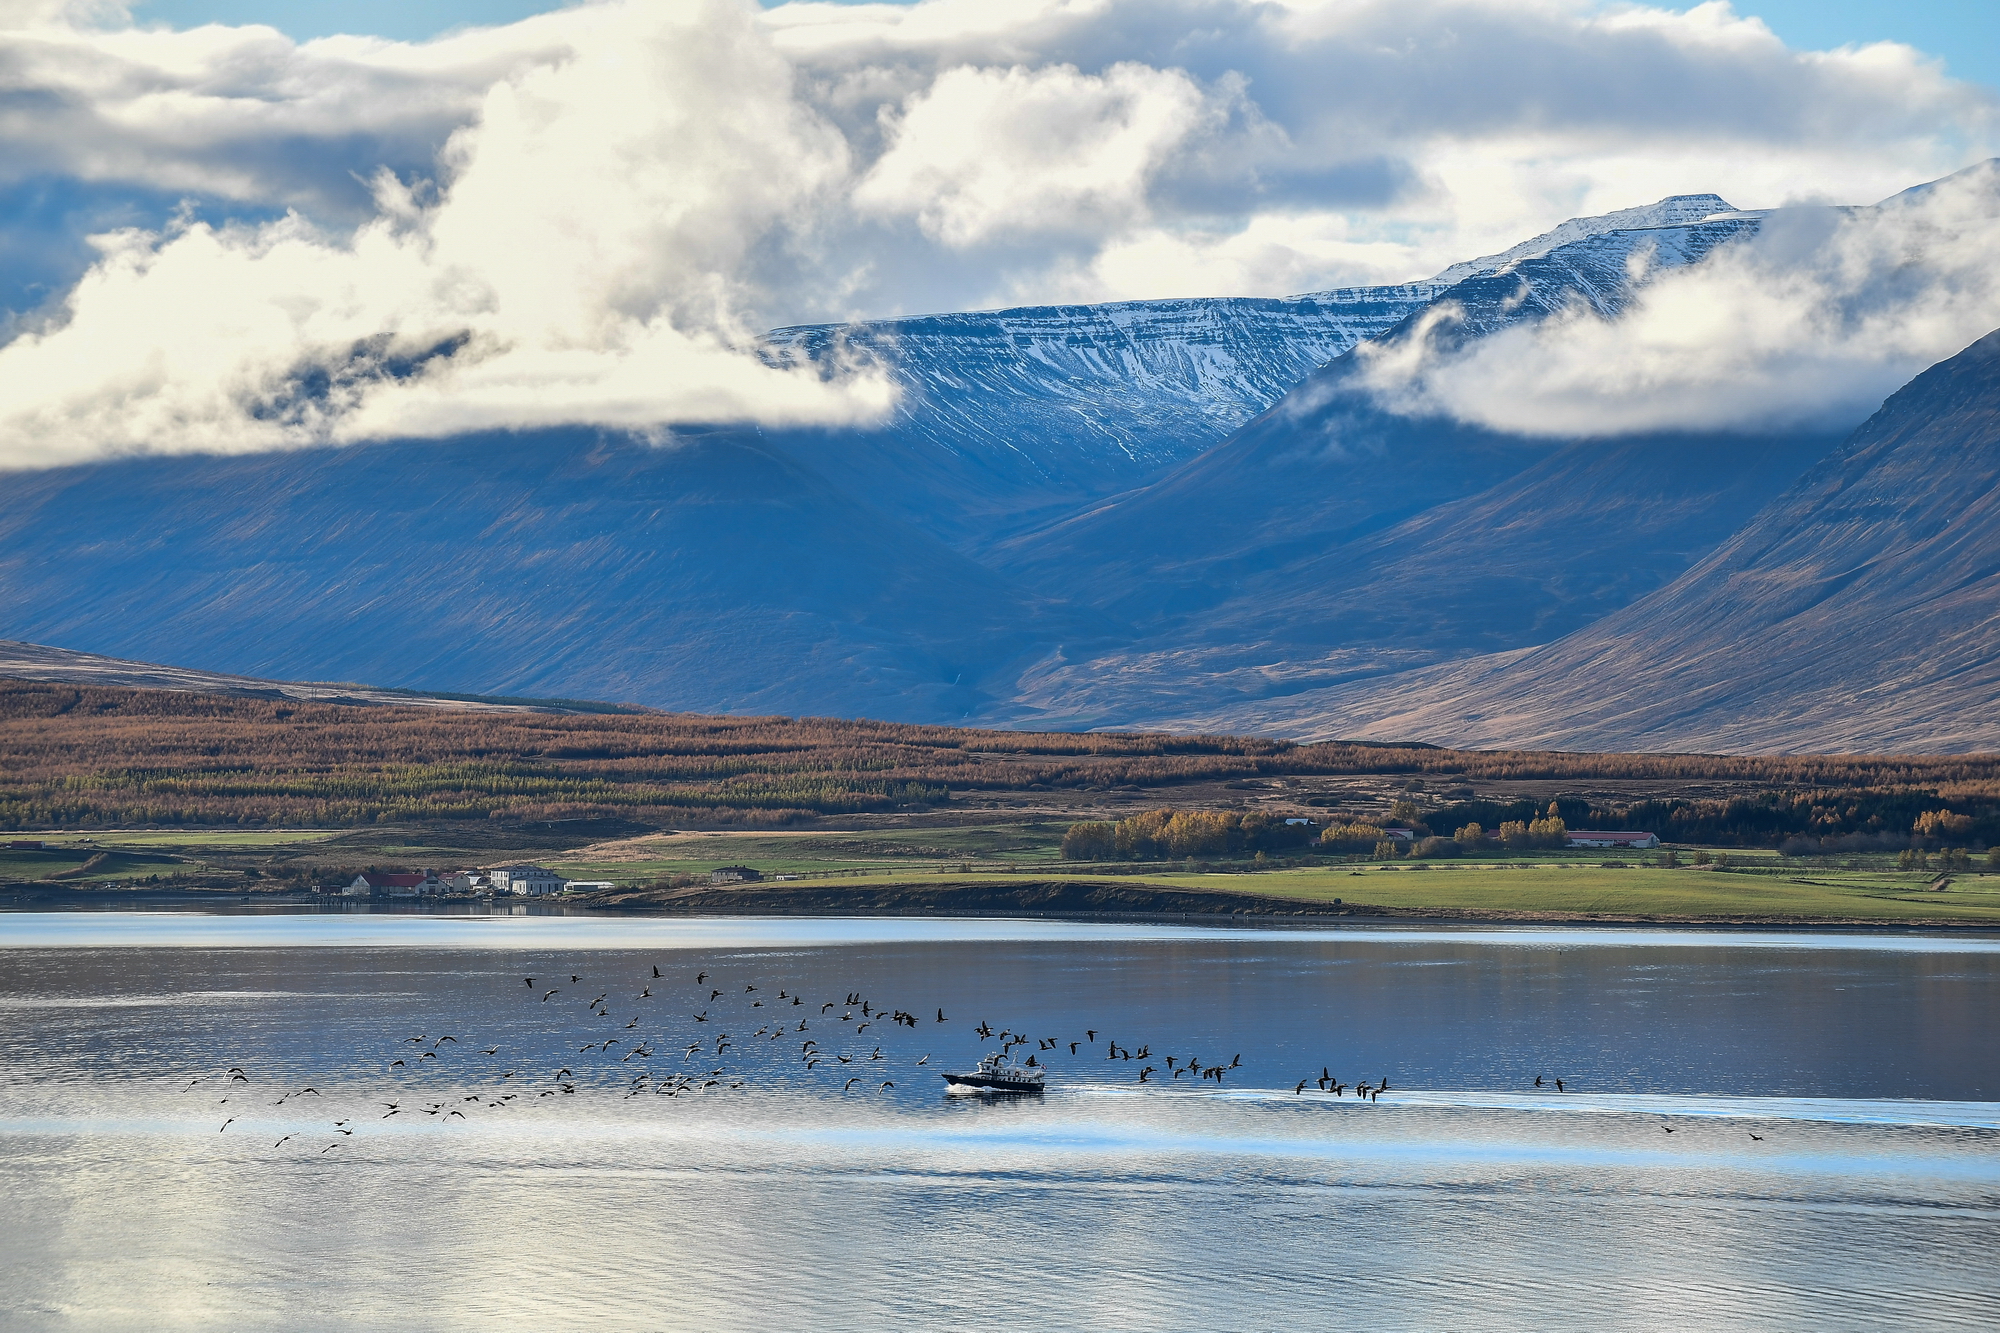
<point>1120,388</point>
<point>1115,513</point>
<point>1676,210</point>
<point>1099,397</point>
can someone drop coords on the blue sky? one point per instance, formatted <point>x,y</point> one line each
<point>1966,33</point>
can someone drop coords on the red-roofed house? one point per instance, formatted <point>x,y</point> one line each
<point>393,886</point>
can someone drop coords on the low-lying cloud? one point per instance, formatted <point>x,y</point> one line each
<point>583,260</point>
<point>587,217</point>
<point>1810,323</point>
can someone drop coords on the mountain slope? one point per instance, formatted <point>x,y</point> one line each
<point>713,574</point>
<point>1565,540</point>
<point>1011,419</point>
<point>1326,464</point>
<point>1857,612</point>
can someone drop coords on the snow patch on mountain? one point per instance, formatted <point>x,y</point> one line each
<point>1674,211</point>
<point>1146,382</point>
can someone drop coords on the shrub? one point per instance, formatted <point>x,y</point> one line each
<point>1092,840</point>
<point>1350,837</point>
<point>1431,848</point>
<point>1941,824</point>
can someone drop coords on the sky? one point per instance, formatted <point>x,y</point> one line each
<point>234,226</point>
<point>1962,33</point>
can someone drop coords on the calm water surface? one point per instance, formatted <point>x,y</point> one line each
<point>579,1188</point>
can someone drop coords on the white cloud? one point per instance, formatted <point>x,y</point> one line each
<point>1812,322</point>
<point>1016,153</point>
<point>598,206</point>
<point>584,260</point>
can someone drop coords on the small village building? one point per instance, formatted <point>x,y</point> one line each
<point>587,885</point>
<point>525,880</point>
<point>1595,838</point>
<point>468,881</point>
<point>373,885</point>
<point>1399,834</point>
<point>734,875</point>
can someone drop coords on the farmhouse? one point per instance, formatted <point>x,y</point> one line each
<point>734,875</point>
<point>529,880</point>
<point>1593,838</point>
<point>373,885</point>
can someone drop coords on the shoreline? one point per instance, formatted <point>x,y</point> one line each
<point>1066,899</point>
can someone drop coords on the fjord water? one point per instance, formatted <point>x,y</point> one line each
<point>1464,1196</point>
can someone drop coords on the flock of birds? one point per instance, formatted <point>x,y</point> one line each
<point>828,1037</point>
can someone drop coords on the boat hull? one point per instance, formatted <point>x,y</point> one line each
<point>986,1083</point>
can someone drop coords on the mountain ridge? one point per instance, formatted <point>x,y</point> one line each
<point>1854,613</point>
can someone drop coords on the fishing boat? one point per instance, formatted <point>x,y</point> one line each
<point>995,1074</point>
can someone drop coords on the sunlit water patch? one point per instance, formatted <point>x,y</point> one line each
<point>249,1122</point>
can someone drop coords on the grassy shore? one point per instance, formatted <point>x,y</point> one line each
<point>1549,890</point>
<point>1759,885</point>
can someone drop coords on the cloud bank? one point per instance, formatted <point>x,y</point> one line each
<point>587,216</point>
<point>1810,323</point>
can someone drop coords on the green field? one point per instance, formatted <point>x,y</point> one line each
<point>1559,883</point>
<point>183,839</point>
<point>97,865</point>
<point>1758,884</point>
<point>1554,889</point>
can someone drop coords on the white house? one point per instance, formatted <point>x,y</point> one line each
<point>1594,838</point>
<point>588,885</point>
<point>528,880</point>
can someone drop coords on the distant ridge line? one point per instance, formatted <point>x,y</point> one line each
<point>41,662</point>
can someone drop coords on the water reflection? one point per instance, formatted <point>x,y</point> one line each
<point>1870,1198</point>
